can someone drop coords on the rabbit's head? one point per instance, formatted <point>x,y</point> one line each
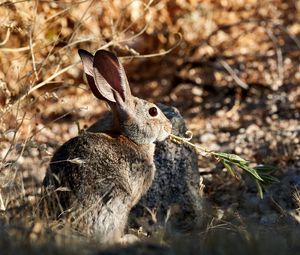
<point>141,121</point>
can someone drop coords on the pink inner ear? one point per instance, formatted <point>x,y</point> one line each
<point>107,65</point>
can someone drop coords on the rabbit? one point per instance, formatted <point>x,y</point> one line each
<point>96,178</point>
<point>176,195</point>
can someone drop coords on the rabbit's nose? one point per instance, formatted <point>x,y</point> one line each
<point>168,127</point>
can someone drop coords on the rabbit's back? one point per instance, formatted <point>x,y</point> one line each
<point>91,159</point>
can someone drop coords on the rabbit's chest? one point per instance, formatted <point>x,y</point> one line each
<point>141,183</point>
<point>141,174</point>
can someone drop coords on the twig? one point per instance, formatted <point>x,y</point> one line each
<point>146,7</point>
<point>237,104</point>
<point>15,134</point>
<point>42,65</point>
<point>17,49</point>
<point>31,32</point>
<point>160,53</point>
<point>177,139</point>
<point>78,23</point>
<point>233,74</point>
<point>279,56</point>
<point>135,35</point>
<point>54,120</point>
<point>57,14</point>
<point>2,206</point>
<point>53,76</point>
<point>6,37</point>
<point>294,38</point>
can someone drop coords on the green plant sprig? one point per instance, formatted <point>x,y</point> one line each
<point>260,173</point>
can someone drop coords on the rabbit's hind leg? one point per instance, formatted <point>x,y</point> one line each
<point>111,221</point>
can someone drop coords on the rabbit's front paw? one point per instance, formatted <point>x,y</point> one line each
<point>129,239</point>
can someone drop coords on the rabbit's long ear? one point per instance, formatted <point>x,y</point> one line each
<point>110,77</point>
<point>87,61</point>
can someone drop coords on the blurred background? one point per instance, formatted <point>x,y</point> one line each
<point>230,67</point>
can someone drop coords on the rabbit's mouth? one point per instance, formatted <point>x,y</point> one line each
<point>165,132</point>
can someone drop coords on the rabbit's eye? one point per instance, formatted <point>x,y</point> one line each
<point>153,111</point>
